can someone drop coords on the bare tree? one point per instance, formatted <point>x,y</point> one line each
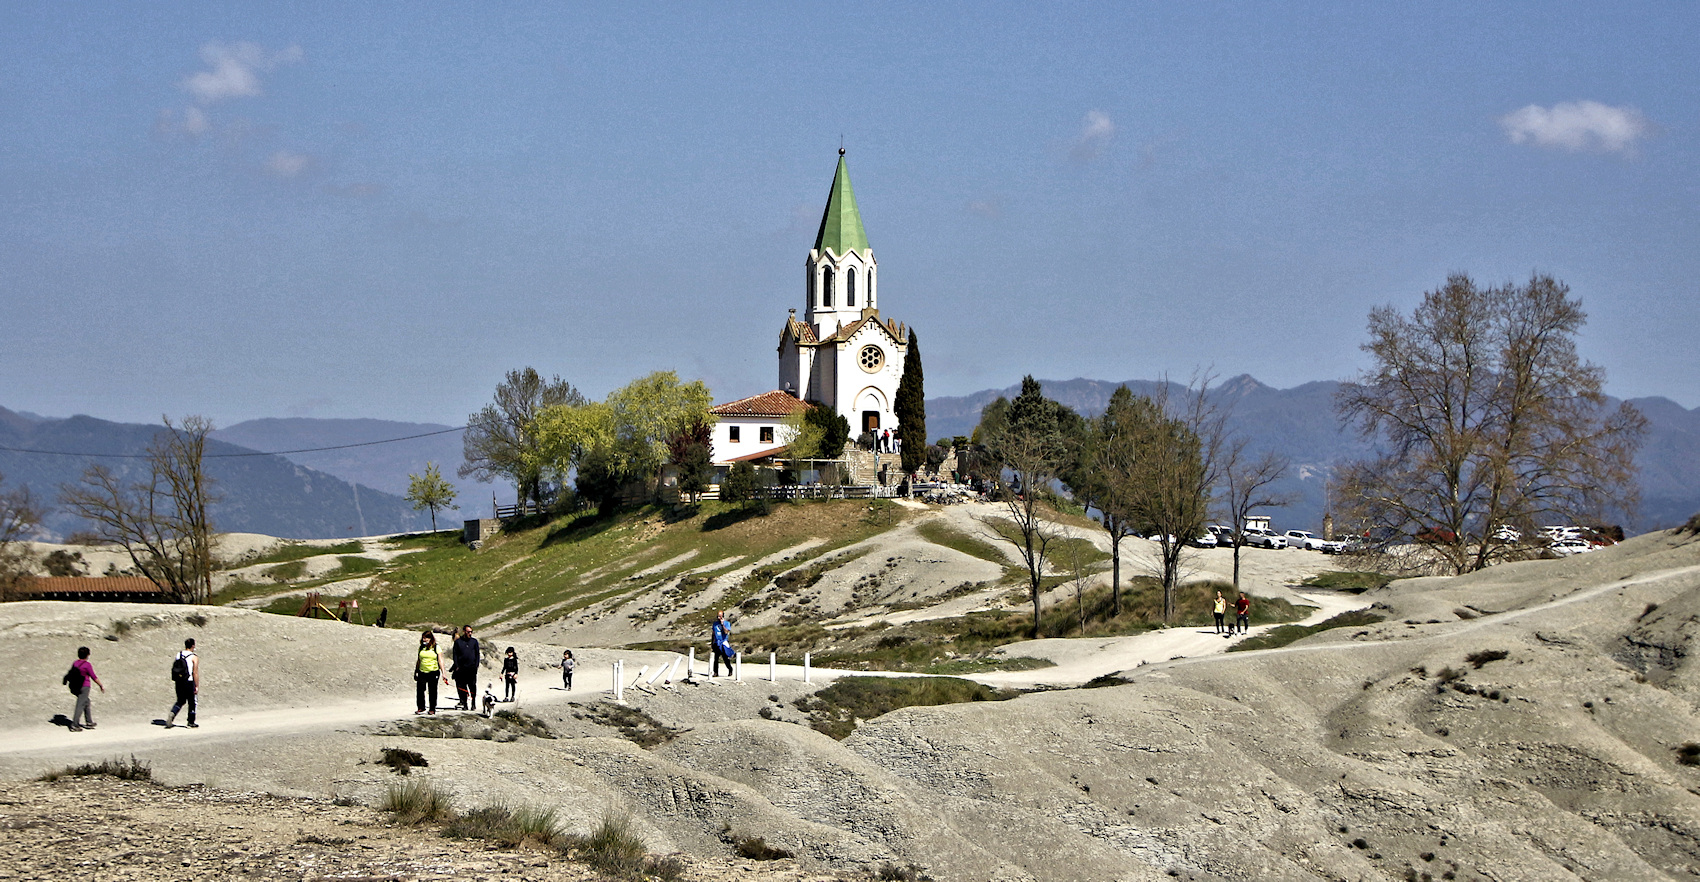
<point>1029,439</point>
<point>1486,417</point>
<point>1164,472</point>
<point>1246,484</point>
<point>500,441</point>
<point>161,520</point>
<point>19,517</point>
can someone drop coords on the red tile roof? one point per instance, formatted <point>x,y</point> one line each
<point>89,585</point>
<point>777,403</point>
<point>762,454</point>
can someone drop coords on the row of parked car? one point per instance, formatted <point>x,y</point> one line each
<point>1257,537</point>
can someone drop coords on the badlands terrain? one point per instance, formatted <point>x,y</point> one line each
<point>1527,722</point>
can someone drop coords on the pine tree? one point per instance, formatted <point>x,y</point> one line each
<point>911,408</point>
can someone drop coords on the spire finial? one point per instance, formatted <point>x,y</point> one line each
<point>841,151</point>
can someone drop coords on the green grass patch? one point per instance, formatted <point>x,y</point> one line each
<point>356,566</point>
<point>415,802</point>
<point>293,551</point>
<point>963,644</point>
<point>1288,633</point>
<point>959,666</point>
<point>941,533</point>
<point>836,710</point>
<point>131,769</point>
<point>565,565</point>
<point>286,572</point>
<point>614,849</point>
<point>1355,581</point>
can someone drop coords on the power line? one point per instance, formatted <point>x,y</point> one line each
<point>233,455</point>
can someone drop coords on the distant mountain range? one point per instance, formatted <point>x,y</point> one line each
<point>383,466</point>
<point>258,494</point>
<point>1300,424</point>
<point>358,489</point>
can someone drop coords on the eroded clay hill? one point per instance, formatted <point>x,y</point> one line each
<point>1527,722</point>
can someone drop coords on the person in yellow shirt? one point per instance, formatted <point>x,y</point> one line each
<point>1221,612</point>
<point>427,669</point>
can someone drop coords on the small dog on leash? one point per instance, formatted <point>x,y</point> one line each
<point>489,702</point>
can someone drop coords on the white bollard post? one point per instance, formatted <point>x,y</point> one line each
<point>618,680</point>
<point>691,665</point>
<point>639,678</point>
<point>673,673</point>
<point>805,667</point>
<point>657,675</point>
<point>772,673</point>
<point>738,668</point>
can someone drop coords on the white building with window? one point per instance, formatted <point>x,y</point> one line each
<point>841,353</point>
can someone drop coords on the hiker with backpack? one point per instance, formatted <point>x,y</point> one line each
<point>78,679</point>
<point>186,676</point>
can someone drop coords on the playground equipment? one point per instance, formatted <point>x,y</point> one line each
<point>346,610</point>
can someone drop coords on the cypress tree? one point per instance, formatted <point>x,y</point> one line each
<point>911,408</point>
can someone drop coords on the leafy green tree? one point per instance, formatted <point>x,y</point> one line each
<point>910,406</point>
<point>430,491</point>
<point>689,451</point>
<point>1485,415</point>
<point>1105,441</point>
<point>741,483</point>
<point>500,440</point>
<point>1029,440</point>
<point>834,430</point>
<point>615,444</point>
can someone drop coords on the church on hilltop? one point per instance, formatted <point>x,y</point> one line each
<point>841,353</point>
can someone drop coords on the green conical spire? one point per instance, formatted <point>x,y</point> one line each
<point>841,226</point>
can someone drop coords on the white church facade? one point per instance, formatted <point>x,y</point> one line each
<point>841,353</point>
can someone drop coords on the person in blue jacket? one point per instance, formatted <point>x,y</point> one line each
<point>722,641</point>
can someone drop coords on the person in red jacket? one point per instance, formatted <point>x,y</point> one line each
<point>1242,613</point>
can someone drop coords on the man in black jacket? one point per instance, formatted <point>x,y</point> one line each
<point>464,667</point>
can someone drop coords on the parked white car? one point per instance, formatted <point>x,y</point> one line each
<point>1305,539</point>
<point>1206,539</point>
<point>1568,547</point>
<point>1506,533</point>
<point>1224,535</point>
<point>1261,538</point>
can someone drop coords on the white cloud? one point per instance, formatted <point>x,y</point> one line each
<point>1578,126</point>
<point>194,121</point>
<point>235,70</point>
<point>284,164</point>
<point>192,124</point>
<point>1094,136</point>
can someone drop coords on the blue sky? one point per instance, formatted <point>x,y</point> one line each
<point>342,210</point>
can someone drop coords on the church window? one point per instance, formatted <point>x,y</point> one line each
<point>811,286</point>
<point>732,434</point>
<point>767,434</point>
<point>826,287</point>
<point>870,298</point>
<point>850,287</point>
<point>870,358</point>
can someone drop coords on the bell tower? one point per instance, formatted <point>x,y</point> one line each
<point>842,284</point>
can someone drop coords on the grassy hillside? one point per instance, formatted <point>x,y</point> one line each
<point>557,568</point>
<point>650,579</point>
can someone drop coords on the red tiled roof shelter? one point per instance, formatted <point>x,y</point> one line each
<point>134,589</point>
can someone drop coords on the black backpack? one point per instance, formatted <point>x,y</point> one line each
<point>74,679</point>
<point>180,669</point>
